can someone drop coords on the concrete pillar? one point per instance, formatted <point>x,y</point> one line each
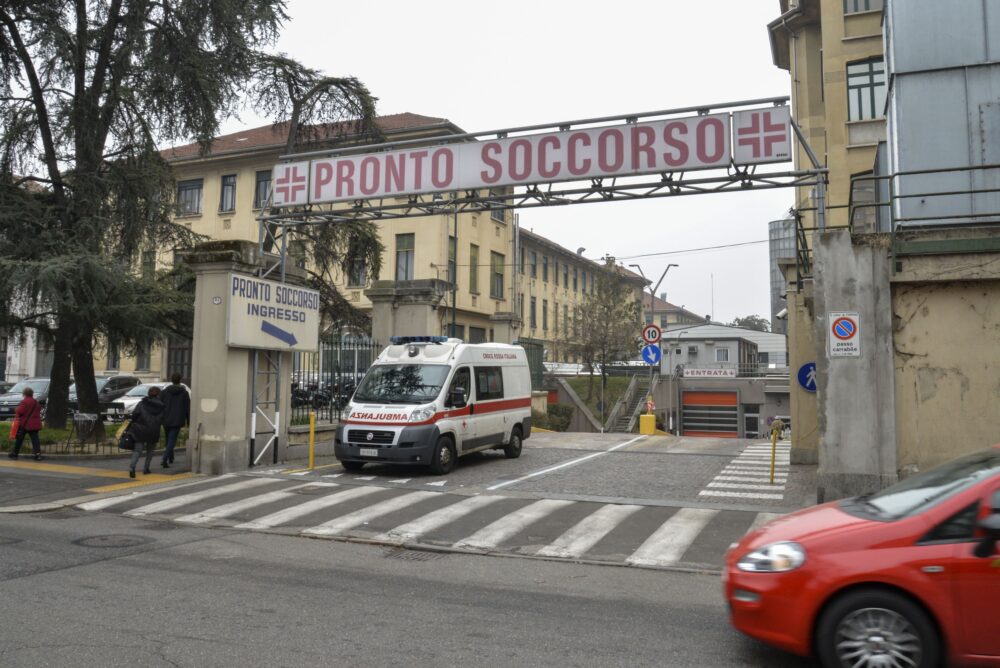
<point>404,308</point>
<point>506,327</point>
<point>856,395</point>
<point>220,375</point>
<point>801,350</point>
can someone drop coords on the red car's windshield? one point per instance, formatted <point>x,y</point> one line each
<point>923,490</point>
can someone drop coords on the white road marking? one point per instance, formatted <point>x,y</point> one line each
<point>439,483</point>
<point>301,473</point>
<point>587,532</point>
<point>762,519</point>
<point>571,462</point>
<point>175,502</point>
<point>749,478</point>
<point>295,512</point>
<point>401,481</point>
<point>101,504</point>
<point>493,534</point>
<point>366,477</point>
<point>411,531</point>
<point>669,543</point>
<point>333,475</point>
<point>229,509</point>
<point>365,515</point>
<point>735,485</point>
<point>741,495</point>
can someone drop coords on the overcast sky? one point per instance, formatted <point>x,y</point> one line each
<point>490,65</point>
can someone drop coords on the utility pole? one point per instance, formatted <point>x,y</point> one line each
<point>652,311</point>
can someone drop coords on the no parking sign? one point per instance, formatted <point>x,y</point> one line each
<point>845,340</point>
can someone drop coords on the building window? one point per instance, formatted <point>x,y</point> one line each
<point>477,334</point>
<point>114,356</point>
<point>357,277</point>
<point>148,265</point>
<point>545,315</point>
<point>189,197</point>
<point>496,213</point>
<point>576,272</point>
<point>142,357</point>
<point>722,354</point>
<point>453,261</point>
<point>565,320</point>
<point>404,257</point>
<point>865,89</point>
<point>456,331</point>
<point>565,275</point>
<point>533,264</point>
<point>262,190</point>
<point>496,275</point>
<point>473,268</point>
<point>522,260</point>
<point>520,307</point>
<point>545,268</point>
<point>227,198</point>
<point>583,283</point>
<point>531,313</point>
<point>855,6</point>
<point>555,318</point>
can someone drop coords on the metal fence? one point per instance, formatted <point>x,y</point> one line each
<point>325,380</point>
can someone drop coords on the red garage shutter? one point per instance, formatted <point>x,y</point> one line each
<point>710,414</point>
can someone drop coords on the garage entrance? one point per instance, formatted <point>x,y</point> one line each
<point>713,413</point>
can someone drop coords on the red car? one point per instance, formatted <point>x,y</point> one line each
<point>906,577</point>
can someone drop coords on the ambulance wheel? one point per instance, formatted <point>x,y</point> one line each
<point>513,448</point>
<point>443,459</point>
<point>352,466</point>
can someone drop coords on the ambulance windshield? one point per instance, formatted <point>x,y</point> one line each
<point>402,383</point>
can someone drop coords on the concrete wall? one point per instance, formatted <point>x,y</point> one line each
<point>802,350</point>
<point>855,395</point>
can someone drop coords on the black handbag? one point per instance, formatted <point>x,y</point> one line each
<point>126,441</point>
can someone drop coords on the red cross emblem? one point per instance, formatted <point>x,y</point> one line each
<point>762,135</point>
<point>289,185</point>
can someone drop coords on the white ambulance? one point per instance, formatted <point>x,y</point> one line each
<point>428,400</point>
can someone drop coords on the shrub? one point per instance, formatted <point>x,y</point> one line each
<point>557,419</point>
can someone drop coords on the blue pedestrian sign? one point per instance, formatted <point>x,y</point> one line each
<point>651,354</point>
<point>807,376</point>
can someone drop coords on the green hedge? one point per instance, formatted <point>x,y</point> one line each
<point>557,419</point>
<point>50,436</point>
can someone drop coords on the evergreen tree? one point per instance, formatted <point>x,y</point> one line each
<point>87,91</point>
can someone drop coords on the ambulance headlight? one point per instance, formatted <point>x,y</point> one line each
<point>422,413</point>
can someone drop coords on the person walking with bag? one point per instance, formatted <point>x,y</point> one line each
<point>145,428</point>
<point>177,409</point>
<point>29,417</point>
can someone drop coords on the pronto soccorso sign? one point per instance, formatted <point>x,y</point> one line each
<point>711,141</point>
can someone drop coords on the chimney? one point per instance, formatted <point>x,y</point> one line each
<point>663,296</point>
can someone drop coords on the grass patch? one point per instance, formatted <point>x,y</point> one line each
<point>615,388</point>
<point>52,436</point>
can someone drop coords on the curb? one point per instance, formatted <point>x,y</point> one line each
<point>49,506</point>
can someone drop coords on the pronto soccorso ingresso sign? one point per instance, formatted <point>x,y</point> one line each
<point>270,315</point>
<point>712,141</point>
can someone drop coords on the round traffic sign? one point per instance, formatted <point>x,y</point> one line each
<point>651,333</point>
<point>844,328</point>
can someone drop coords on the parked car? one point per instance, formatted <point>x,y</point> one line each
<point>5,386</point>
<point>109,388</point>
<point>10,400</point>
<point>909,576</point>
<point>126,404</point>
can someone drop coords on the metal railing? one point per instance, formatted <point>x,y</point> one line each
<point>324,381</point>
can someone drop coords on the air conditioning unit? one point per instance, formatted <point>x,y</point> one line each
<point>692,350</point>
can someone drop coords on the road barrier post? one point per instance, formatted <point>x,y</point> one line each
<point>312,440</point>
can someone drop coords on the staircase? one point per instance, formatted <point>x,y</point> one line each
<point>632,403</point>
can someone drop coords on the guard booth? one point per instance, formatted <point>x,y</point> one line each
<point>536,354</point>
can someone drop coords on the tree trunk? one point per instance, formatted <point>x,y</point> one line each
<point>83,373</point>
<point>56,406</point>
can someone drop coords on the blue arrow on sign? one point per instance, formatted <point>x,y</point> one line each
<point>651,354</point>
<point>278,333</point>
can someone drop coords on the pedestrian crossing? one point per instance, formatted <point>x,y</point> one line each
<point>625,534</point>
<point>748,476</point>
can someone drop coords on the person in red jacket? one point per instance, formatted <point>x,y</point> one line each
<point>29,415</point>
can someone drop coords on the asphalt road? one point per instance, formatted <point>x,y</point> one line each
<point>94,589</point>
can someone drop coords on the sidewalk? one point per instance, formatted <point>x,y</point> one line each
<point>27,485</point>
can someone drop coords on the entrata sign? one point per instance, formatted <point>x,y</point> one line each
<point>632,149</point>
<point>271,316</point>
<point>709,373</point>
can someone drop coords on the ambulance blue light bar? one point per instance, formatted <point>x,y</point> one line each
<point>403,340</point>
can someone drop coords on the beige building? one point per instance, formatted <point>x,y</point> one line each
<point>832,50</point>
<point>481,282</point>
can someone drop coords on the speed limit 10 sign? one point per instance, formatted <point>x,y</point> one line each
<point>651,334</point>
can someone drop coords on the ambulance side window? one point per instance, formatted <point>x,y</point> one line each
<point>461,382</point>
<point>489,383</point>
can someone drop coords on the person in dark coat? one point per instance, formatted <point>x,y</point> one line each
<point>145,428</point>
<point>176,413</point>
<point>29,415</point>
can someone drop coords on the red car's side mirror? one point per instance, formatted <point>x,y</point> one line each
<point>991,527</point>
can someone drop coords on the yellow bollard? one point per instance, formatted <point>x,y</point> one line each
<point>774,451</point>
<point>312,441</point>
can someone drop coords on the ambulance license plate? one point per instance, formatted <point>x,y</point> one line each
<point>368,452</point>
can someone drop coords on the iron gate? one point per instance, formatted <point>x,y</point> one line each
<point>324,381</point>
